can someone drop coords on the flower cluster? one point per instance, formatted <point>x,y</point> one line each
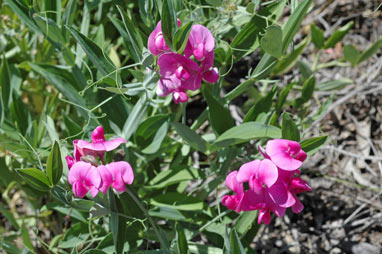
<point>179,73</point>
<point>273,182</point>
<point>84,172</point>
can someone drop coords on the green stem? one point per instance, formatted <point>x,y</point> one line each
<point>136,200</point>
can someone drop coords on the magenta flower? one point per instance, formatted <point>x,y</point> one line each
<point>209,73</point>
<point>84,177</point>
<point>200,42</point>
<point>156,43</point>
<point>99,145</point>
<point>286,154</point>
<point>122,174</point>
<point>178,73</point>
<point>273,182</point>
<point>232,202</point>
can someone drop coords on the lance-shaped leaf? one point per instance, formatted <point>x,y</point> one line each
<point>338,35</point>
<point>35,178</point>
<point>54,164</point>
<point>169,21</point>
<point>191,137</point>
<point>289,128</point>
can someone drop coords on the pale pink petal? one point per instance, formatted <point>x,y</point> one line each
<point>282,153</point>
<point>200,42</point>
<point>106,178</point>
<point>122,175</point>
<point>113,144</point>
<point>93,179</point>
<point>247,170</point>
<point>267,172</point>
<point>232,183</point>
<point>78,172</point>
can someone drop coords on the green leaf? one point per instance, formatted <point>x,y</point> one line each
<point>169,21</point>
<point>338,35</point>
<point>135,117</point>
<point>59,78</point>
<point>288,61</point>
<point>177,201</point>
<point>237,91</point>
<point>23,12</point>
<point>169,177</point>
<point>26,238</point>
<point>307,91</point>
<point>261,106</point>
<point>20,114</point>
<point>245,132</point>
<point>216,3</point>
<point>117,223</point>
<point>9,216</point>
<point>158,139</point>
<point>370,51</point>
<point>50,29</point>
<point>312,145</point>
<point>334,84</point>
<point>167,213</point>
<point>35,178</point>
<point>248,39</point>
<point>5,82</point>
<point>293,23</point>
<point>305,70</point>
<point>148,128</point>
<point>94,251</point>
<point>54,164</point>
<point>219,116</point>
<point>264,67</point>
<point>182,245</point>
<point>245,221</point>
<point>95,54</point>
<point>181,37</point>
<point>203,249</point>
<point>236,246</point>
<point>271,42</point>
<point>191,137</point>
<point>351,54</point>
<point>289,128</point>
<point>317,36</point>
<point>130,35</point>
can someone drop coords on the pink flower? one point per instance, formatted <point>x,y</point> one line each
<point>178,73</point>
<point>106,177</point>
<point>99,145</point>
<point>122,174</point>
<point>286,154</point>
<point>156,43</point>
<point>232,202</point>
<point>209,73</point>
<point>200,42</point>
<point>70,161</point>
<point>257,173</point>
<point>84,177</point>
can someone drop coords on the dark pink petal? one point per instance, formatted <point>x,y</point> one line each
<point>79,189</point>
<point>298,206</point>
<point>230,202</point>
<point>70,161</point>
<point>263,153</point>
<point>179,97</point>
<point>267,172</point>
<point>98,135</point>
<point>264,216</point>
<point>255,185</point>
<point>93,181</point>
<point>211,76</point>
<point>156,43</point>
<point>281,196</point>
<point>297,185</point>
<point>251,201</point>
<point>77,151</point>
<point>301,156</point>
<point>247,170</point>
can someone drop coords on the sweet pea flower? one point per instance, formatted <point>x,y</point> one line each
<point>232,202</point>
<point>200,42</point>
<point>84,177</point>
<point>286,154</point>
<point>209,73</point>
<point>178,73</point>
<point>122,174</point>
<point>156,43</point>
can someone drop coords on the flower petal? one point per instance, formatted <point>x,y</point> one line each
<point>281,196</point>
<point>267,172</point>
<point>247,170</point>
